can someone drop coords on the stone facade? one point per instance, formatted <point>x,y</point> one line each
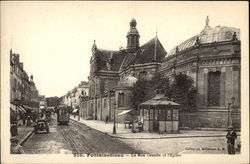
<point>22,87</point>
<point>113,73</point>
<point>212,58</point>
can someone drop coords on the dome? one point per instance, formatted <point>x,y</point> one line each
<point>133,30</point>
<point>128,81</point>
<point>209,35</point>
<point>133,23</point>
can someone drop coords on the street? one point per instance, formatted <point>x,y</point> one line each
<point>74,138</point>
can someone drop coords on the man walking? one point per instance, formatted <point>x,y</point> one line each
<point>231,137</point>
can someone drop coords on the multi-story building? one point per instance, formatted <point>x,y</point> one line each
<point>212,58</point>
<point>74,97</point>
<point>21,87</point>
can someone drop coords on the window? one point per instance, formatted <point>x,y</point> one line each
<point>214,88</point>
<point>121,100</point>
<point>105,103</point>
<point>146,114</point>
<point>151,113</point>
<point>175,115</point>
<point>162,114</point>
<point>168,115</point>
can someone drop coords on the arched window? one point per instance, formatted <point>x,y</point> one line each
<point>121,99</point>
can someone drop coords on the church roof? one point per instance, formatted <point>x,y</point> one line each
<point>104,57</point>
<point>209,35</point>
<point>145,54</point>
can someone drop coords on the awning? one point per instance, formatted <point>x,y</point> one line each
<point>124,112</point>
<point>28,107</point>
<point>75,110</point>
<point>19,108</point>
<point>13,107</point>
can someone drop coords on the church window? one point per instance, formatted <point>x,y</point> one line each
<point>105,103</point>
<point>214,88</point>
<point>121,99</point>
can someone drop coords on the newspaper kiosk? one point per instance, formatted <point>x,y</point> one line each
<point>159,114</point>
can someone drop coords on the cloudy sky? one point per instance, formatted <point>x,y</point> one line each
<point>54,39</point>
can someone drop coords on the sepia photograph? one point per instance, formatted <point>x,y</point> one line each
<point>124,82</point>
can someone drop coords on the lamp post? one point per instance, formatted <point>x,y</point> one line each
<point>229,104</point>
<point>228,111</point>
<point>114,127</point>
<point>109,107</point>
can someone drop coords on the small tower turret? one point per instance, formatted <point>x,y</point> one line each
<point>133,37</point>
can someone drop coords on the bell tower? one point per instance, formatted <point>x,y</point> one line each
<point>133,37</point>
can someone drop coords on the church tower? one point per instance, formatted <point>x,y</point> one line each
<point>133,37</point>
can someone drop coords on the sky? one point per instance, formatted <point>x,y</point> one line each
<point>54,39</point>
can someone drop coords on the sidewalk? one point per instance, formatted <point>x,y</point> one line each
<point>123,133</point>
<point>23,133</point>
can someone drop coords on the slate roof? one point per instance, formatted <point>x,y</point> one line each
<point>122,59</point>
<point>159,99</point>
<point>146,54</point>
<point>104,56</point>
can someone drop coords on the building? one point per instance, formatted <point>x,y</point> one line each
<point>74,97</point>
<point>113,73</point>
<point>212,58</point>
<point>21,87</point>
<point>23,91</point>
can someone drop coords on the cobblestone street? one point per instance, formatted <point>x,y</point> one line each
<point>74,138</point>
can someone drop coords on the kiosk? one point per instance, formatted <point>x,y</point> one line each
<point>159,114</point>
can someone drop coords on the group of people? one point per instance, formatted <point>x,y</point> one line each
<point>28,119</point>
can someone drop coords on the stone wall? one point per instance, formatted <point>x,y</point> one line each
<point>209,119</point>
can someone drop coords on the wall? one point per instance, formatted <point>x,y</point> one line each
<point>209,119</point>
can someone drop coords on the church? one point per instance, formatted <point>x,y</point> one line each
<point>113,73</point>
<point>212,58</point>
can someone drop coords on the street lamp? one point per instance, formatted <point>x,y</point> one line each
<point>109,107</point>
<point>228,111</point>
<point>114,127</point>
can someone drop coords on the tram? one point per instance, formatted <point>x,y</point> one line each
<point>63,114</point>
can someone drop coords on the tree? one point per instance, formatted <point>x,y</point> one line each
<point>144,90</point>
<point>52,101</point>
<point>180,91</point>
<point>183,91</point>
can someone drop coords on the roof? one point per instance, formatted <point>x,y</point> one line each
<point>209,35</point>
<point>159,99</point>
<point>146,54</point>
<point>127,81</point>
<point>108,58</point>
<point>130,111</point>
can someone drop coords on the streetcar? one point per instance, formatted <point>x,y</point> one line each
<point>63,114</point>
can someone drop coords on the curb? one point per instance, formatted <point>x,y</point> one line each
<point>26,138</point>
<point>165,137</point>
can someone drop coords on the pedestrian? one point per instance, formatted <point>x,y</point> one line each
<point>15,148</point>
<point>231,137</point>
<point>13,129</point>
<point>28,120</point>
<point>107,119</point>
<point>23,118</point>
